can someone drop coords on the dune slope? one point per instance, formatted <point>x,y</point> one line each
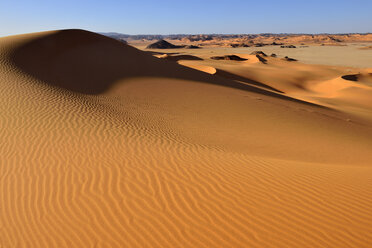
<point>105,145</point>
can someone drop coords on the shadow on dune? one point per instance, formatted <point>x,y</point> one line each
<point>182,57</point>
<point>353,77</point>
<point>90,63</point>
<point>159,53</point>
<point>232,76</point>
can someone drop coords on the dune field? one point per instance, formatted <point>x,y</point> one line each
<point>107,145</point>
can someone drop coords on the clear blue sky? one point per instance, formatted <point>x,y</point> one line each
<point>187,16</point>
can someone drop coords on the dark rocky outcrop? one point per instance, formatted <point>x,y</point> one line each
<point>334,39</point>
<point>288,46</point>
<point>286,58</point>
<point>123,41</point>
<point>261,59</point>
<point>191,47</point>
<point>357,77</point>
<point>162,44</point>
<point>259,53</point>
<point>180,57</point>
<point>239,45</point>
<point>228,57</point>
<point>273,55</point>
<point>353,77</point>
<point>260,44</point>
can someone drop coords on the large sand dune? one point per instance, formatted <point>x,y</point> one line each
<point>104,145</point>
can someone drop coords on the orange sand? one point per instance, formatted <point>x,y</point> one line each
<point>104,145</point>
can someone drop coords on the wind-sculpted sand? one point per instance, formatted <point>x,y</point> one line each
<point>104,145</point>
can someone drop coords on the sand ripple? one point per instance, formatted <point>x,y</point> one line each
<point>135,167</point>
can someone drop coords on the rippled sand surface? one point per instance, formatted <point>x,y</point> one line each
<point>104,145</point>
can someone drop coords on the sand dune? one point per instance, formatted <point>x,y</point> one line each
<point>104,145</point>
<point>203,68</point>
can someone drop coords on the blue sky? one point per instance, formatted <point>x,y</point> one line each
<point>188,16</point>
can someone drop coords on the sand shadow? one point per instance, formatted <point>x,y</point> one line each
<point>353,77</point>
<point>159,53</point>
<point>235,77</point>
<point>90,63</point>
<point>183,57</point>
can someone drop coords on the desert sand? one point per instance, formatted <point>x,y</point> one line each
<point>355,55</point>
<point>106,145</point>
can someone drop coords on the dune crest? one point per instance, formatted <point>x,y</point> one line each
<point>106,145</point>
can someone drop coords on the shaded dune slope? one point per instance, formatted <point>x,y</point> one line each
<point>107,146</point>
<point>76,59</point>
<point>87,62</point>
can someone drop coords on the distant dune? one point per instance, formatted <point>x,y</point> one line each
<point>105,145</point>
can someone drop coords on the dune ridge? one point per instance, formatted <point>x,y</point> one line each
<point>105,145</point>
